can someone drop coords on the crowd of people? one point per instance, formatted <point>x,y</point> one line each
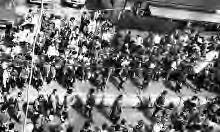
<point>91,49</point>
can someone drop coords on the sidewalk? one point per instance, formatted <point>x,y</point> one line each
<point>181,14</point>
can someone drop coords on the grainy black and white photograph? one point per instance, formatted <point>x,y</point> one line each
<point>109,65</point>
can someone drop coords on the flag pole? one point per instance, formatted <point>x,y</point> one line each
<point>32,63</point>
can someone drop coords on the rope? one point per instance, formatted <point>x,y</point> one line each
<point>32,65</point>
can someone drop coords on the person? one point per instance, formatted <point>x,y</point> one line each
<point>52,51</point>
<point>127,39</point>
<point>11,127</point>
<point>189,104</point>
<point>139,127</point>
<point>139,41</point>
<point>116,110</point>
<point>86,127</point>
<point>159,103</point>
<point>6,76</point>
<point>52,100</point>
<point>69,99</point>
<point>24,75</point>
<point>29,16</point>
<point>90,103</point>
<point>112,3</point>
<point>124,125</point>
<point>104,127</point>
<point>19,104</point>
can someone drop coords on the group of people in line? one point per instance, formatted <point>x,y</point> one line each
<point>91,48</point>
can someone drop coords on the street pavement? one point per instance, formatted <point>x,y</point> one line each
<point>130,97</point>
<point>129,101</point>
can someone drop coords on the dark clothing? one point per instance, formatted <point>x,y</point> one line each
<point>90,103</point>
<point>127,39</point>
<point>160,101</point>
<point>116,112</point>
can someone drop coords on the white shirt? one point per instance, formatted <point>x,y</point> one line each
<point>57,23</point>
<point>6,74</point>
<point>52,51</point>
<point>16,50</point>
<point>74,43</point>
<point>22,36</point>
<point>139,41</point>
<point>157,127</point>
<point>157,39</point>
<point>125,63</point>
<point>106,36</point>
<point>92,26</point>
<point>84,49</point>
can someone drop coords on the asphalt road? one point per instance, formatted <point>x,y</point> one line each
<point>154,89</point>
<point>101,115</point>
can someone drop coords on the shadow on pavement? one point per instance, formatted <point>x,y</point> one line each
<point>79,106</point>
<point>103,110</point>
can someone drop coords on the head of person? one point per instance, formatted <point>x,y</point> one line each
<point>54,91</point>
<point>164,93</point>
<point>72,19</point>
<point>11,126</point>
<point>129,32</point>
<point>123,122</point>
<point>41,97</point>
<point>87,125</point>
<point>19,94</point>
<point>117,127</point>
<point>104,126</point>
<point>30,10</point>
<point>92,91</point>
<point>119,99</point>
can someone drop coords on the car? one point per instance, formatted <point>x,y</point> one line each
<point>39,1</point>
<point>5,23</point>
<point>75,3</point>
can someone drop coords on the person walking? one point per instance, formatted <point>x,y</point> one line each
<point>90,103</point>
<point>116,110</point>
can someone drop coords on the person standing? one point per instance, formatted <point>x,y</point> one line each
<point>6,76</point>
<point>159,103</point>
<point>86,127</point>
<point>127,38</point>
<point>116,110</point>
<point>52,100</point>
<point>90,103</point>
